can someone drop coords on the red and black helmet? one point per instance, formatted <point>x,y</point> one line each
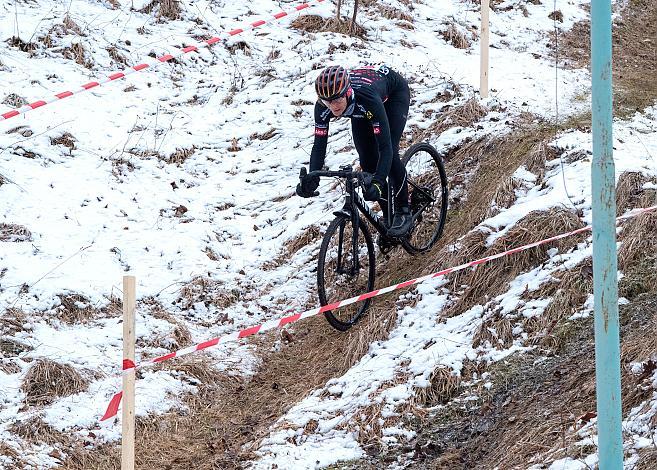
<point>332,83</point>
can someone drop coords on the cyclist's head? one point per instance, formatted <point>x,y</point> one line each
<point>332,83</point>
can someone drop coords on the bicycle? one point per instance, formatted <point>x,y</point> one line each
<point>346,264</point>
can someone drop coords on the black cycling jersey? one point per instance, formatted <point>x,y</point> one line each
<point>372,87</point>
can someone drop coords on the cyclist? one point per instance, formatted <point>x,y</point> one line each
<point>376,99</point>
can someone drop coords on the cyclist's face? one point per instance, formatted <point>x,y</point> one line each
<point>337,106</point>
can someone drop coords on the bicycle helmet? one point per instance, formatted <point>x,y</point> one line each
<point>332,83</point>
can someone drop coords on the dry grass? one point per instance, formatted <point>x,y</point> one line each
<point>36,431</point>
<point>317,24</point>
<point>569,293</point>
<point>505,196</point>
<point>392,13</point>
<point>264,135</point>
<point>496,332</point>
<point>307,237</point>
<point>14,233</point>
<point>444,385</point>
<point>75,309</point>
<point>66,139</point>
<point>72,26</point>
<point>464,115</point>
<point>456,37</point>
<point>15,101</point>
<point>630,193</point>
<point>227,419</point>
<point>180,155</point>
<point>117,57</point>
<point>491,279</point>
<point>375,326</point>
<point>208,291</point>
<point>634,58</point>
<point>165,9</point>
<point>77,53</point>
<point>48,380</point>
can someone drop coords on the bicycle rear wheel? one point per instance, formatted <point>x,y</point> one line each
<point>341,274</point>
<point>427,188</point>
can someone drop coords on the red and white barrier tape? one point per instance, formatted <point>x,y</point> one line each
<point>128,365</point>
<point>165,58</point>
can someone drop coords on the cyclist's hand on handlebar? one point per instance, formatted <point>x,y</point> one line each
<point>308,185</point>
<point>372,187</point>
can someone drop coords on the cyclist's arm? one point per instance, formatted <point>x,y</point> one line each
<point>318,153</point>
<point>381,129</point>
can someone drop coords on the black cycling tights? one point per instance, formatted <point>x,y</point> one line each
<point>396,107</point>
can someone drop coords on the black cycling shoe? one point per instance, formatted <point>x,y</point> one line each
<point>401,223</point>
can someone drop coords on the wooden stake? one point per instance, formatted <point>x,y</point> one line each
<point>483,65</point>
<point>128,417</point>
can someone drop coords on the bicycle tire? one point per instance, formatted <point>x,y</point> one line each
<point>333,286</point>
<point>427,174</point>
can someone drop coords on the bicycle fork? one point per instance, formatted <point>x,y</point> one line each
<point>349,209</point>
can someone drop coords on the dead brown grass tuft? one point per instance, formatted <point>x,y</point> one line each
<point>456,37</point>
<point>208,291</point>
<point>464,115</point>
<point>71,25</point>
<point>14,233</point>
<point>375,326</point>
<point>393,13</point>
<point>444,385</point>
<point>317,24</point>
<point>639,240</point>
<point>569,293</point>
<point>630,193</point>
<point>180,155</point>
<point>75,309</point>
<point>36,431</point>
<point>66,139</point>
<point>505,196</point>
<point>78,53</point>
<point>167,9</point>
<point>490,279</point>
<point>11,456</point>
<point>496,332</point>
<point>308,236</point>
<point>119,58</point>
<point>48,380</point>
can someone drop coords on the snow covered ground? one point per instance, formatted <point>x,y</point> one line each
<point>187,170</point>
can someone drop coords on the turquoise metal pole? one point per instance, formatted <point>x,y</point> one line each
<point>605,278</point>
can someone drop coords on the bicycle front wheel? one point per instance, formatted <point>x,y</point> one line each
<point>427,188</point>
<point>345,269</point>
